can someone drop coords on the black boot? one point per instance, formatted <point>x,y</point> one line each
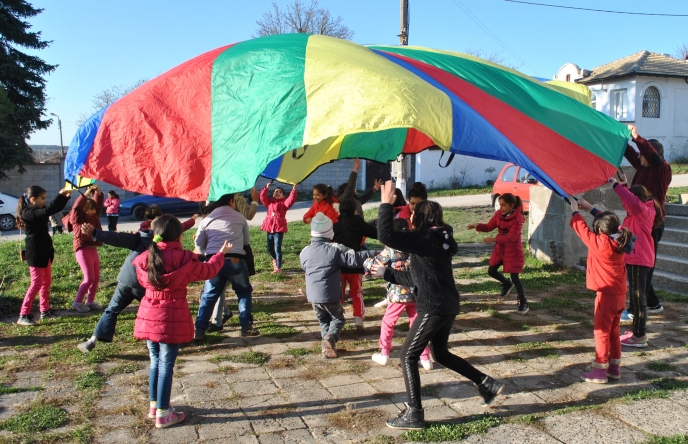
<point>506,288</point>
<point>409,419</point>
<point>489,389</point>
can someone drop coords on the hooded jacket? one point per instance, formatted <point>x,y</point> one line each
<point>322,261</point>
<point>78,217</point>
<point>508,249</point>
<point>349,231</point>
<point>656,177</point>
<point>323,207</point>
<point>39,244</point>
<point>605,271</point>
<point>112,206</point>
<point>276,219</point>
<point>164,314</point>
<point>639,219</point>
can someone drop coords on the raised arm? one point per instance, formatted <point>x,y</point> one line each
<point>116,239</point>
<point>490,226</point>
<point>291,199</point>
<point>630,201</point>
<point>55,206</point>
<point>582,230</point>
<point>264,199</point>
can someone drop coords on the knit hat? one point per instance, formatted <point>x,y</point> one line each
<point>321,226</point>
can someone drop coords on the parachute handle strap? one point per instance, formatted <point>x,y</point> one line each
<point>295,155</point>
<point>449,159</point>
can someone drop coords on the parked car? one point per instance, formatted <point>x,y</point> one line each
<point>138,205</point>
<point>8,210</point>
<point>515,180</point>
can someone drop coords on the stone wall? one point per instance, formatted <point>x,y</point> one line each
<point>550,237</point>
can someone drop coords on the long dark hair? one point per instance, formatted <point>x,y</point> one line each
<point>152,212</point>
<point>428,214</point>
<point>608,223</point>
<point>641,193</point>
<point>325,190</point>
<point>512,200</point>
<point>32,191</point>
<point>225,199</point>
<point>169,228</point>
<point>399,200</point>
<point>112,193</point>
<point>418,190</point>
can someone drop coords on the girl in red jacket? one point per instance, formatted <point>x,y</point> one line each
<point>275,223</point>
<point>164,319</point>
<point>605,274</point>
<point>643,213</point>
<point>112,210</point>
<point>323,202</point>
<point>86,210</point>
<point>508,249</point>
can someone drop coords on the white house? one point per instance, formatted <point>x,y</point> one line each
<point>647,89</point>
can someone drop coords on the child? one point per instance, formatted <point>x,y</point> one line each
<point>275,222</point>
<point>417,193</point>
<point>323,202</point>
<point>508,249</point>
<point>431,245</point>
<point>400,297</point>
<point>32,216</point>
<point>87,210</point>
<point>351,230</point>
<point>347,190</point>
<point>605,274</point>
<point>56,222</point>
<point>643,214</point>
<point>112,210</point>
<point>151,213</point>
<point>322,261</point>
<point>164,319</point>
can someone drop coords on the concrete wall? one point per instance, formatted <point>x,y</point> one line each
<point>463,169</point>
<point>550,237</point>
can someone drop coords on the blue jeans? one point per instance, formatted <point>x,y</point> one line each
<point>237,275</point>
<point>123,296</point>
<point>161,371</point>
<point>275,247</point>
<point>331,319</point>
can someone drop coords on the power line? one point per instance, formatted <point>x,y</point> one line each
<point>596,10</point>
<point>491,34</point>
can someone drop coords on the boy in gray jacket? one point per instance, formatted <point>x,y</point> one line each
<point>322,261</point>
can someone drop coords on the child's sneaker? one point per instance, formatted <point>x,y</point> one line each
<point>656,309</point>
<point>329,347</point>
<point>626,316</point>
<point>427,365</point>
<point>166,418</point>
<point>614,370</point>
<point>379,358</point>
<point>523,308</point>
<point>489,389</point>
<point>634,341</point>
<point>382,303</point>
<point>358,321</point>
<point>506,288</point>
<point>153,409</point>
<point>26,320</point>
<point>597,375</point>
<point>87,346</point>
<point>81,307</point>
<point>48,314</point>
<point>277,271</point>
<point>94,306</point>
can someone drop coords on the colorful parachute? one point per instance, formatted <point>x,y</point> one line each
<point>283,105</point>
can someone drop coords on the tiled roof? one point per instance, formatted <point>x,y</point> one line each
<point>643,63</point>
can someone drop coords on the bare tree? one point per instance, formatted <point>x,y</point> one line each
<point>107,97</point>
<point>302,19</point>
<point>681,52</point>
<point>495,55</point>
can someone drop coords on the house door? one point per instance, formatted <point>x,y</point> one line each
<point>377,170</point>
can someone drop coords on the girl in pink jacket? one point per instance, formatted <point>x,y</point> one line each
<point>275,222</point>
<point>643,213</point>
<point>164,319</point>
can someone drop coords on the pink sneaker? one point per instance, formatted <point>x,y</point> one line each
<point>152,410</point>
<point>634,341</point>
<point>167,418</point>
<point>614,370</point>
<point>626,334</point>
<point>597,375</point>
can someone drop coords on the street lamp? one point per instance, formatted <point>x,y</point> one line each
<point>59,124</point>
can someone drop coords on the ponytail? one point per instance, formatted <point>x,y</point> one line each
<point>608,223</point>
<point>23,202</point>
<point>166,228</point>
<point>625,238</point>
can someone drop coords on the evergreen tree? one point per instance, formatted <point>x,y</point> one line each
<point>22,86</point>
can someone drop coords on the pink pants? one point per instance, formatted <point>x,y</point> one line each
<point>355,282</point>
<point>90,265</point>
<point>41,278</point>
<point>390,319</point>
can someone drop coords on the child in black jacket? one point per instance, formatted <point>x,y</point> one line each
<point>33,215</point>
<point>431,245</point>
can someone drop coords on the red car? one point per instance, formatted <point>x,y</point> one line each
<point>515,180</point>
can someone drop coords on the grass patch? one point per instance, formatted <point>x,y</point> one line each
<point>671,384</point>
<point>660,366</point>
<point>350,419</point>
<point>498,314</point>
<point>461,191</point>
<point>556,303</point>
<point>678,439</point>
<point>91,380</point>
<point>275,330</point>
<point>4,390</point>
<point>672,297</point>
<point>642,394</point>
<point>453,432</point>
<point>36,420</point>
<point>541,349</point>
<point>249,357</point>
<point>300,352</point>
<point>673,194</point>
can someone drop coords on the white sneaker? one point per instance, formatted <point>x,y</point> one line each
<point>358,321</point>
<point>427,365</point>
<point>81,307</point>
<point>382,303</point>
<point>379,358</point>
<point>94,306</point>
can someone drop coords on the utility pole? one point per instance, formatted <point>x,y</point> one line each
<point>59,124</point>
<point>400,165</point>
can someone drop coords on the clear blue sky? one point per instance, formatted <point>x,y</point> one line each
<point>99,44</point>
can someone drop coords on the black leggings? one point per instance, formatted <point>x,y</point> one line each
<point>112,223</point>
<point>494,274</point>
<point>637,288</point>
<point>435,330</point>
<point>652,299</point>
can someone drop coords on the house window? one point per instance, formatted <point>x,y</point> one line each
<point>620,105</point>
<point>593,100</point>
<point>651,102</point>
<point>568,77</point>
